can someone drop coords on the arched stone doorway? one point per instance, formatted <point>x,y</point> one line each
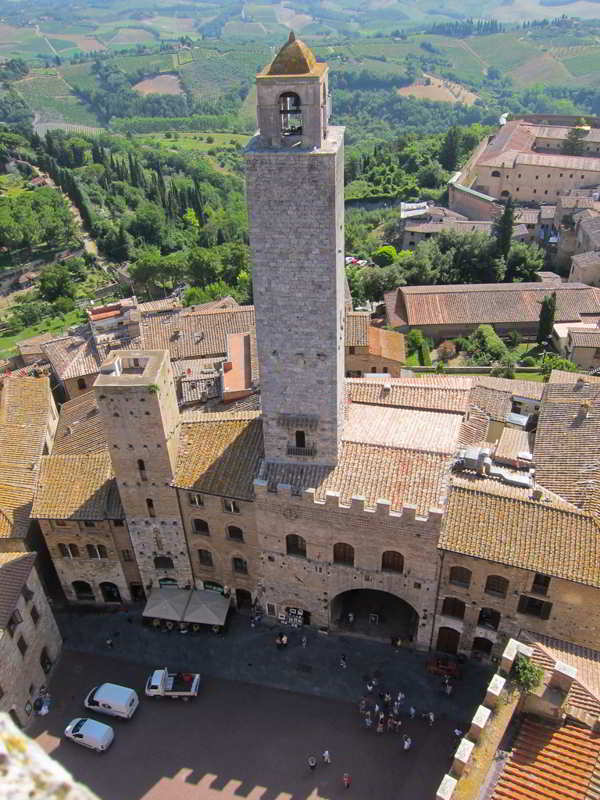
<point>375,613</point>
<point>110,592</point>
<point>243,599</point>
<point>447,640</point>
<point>83,591</point>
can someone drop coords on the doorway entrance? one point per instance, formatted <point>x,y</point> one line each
<point>374,613</point>
<point>447,640</point>
<point>243,599</point>
<point>110,592</point>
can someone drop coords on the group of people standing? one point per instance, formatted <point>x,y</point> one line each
<point>382,712</point>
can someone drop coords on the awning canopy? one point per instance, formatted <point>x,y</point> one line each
<point>167,603</point>
<point>187,605</point>
<point>206,608</point>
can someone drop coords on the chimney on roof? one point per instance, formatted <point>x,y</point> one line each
<point>584,408</point>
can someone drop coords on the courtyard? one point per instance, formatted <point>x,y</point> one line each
<point>260,714</point>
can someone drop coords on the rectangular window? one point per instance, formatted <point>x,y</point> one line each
<point>271,610</point>
<point>35,615</point>
<point>118,523</point>
<point>352,350</point>
<point>540,583</point>
<point>15,619</point>
<point>240,565</point>
<point>205,558</point>
<point>22,645</point>
<point>196,499</point>
<point>230,506</point>
<point>26,593</point>
<point>534,607</point>
<point>150,507</point>
<point>127,555</point>
<point>89,524</point>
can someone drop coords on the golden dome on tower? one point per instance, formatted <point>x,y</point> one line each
<point>294,58</point>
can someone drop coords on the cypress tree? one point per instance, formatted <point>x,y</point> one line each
<point>503,229</point>
<point>450,152</point>
<point>547,313</point>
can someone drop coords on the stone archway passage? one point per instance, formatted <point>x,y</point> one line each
<point>374,613</point>
<point>447,640</point>
<point>110,592</point>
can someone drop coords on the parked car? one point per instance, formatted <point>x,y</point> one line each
<point>112,699</point>
<point>163,683</point>
<point>90,733</point>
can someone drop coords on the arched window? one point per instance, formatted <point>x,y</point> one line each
<point>81,384</point>
<point>488,618</point>
<point>300,439</point>
<point>291,114</point>
<point>460,576</point>
<point>142,469</point>
<point>496,585</point>
<point>200,526</point>
<point>391,561</point>
<point>150,507</point>
<point>495,174</point>
<point>295,545</point>
<point>343,554</point>
<point>102,552</point>
<point>83,591</point>
<point>481,646</point>
<point>110,592</point>
<point>63,550</point>
<point>453,607</point>
<point>235,533</point>
<point>163,562</point>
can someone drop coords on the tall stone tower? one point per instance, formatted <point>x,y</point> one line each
<point>136,397</point>
<point>295,186</point>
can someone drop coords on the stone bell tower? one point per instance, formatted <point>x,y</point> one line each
<point>295,186</point>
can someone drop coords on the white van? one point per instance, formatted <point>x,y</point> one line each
<point>90,733</point>
<point>110,698</point>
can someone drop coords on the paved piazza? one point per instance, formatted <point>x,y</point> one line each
<point>248,740</point>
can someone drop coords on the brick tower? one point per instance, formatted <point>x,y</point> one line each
<point>295,185</point>
<point>136,397</point>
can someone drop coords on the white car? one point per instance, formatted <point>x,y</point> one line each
<point>89,733</point>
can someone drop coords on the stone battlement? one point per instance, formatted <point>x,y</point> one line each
<point>383,507</point>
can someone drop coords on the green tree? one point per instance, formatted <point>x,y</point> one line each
<point>384,256</point>
<point>146,269</point>
<point>551,361</point>
<point>527,674</point>
<point>148,224</point>
<point>503,228</point>
<point>450,151</point>
<point>523,261</point>
<point>573,144</point>
<point>547,314</point>
<point>55,282</point>
<point>204,266</point>
<point>414,340</point>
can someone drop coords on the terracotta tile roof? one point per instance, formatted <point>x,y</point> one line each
<point>475,482</point>
<point>584,163</point>
<point>461,226</point>
<point>512,442</point>
<point>195,335</point>
<point>77,487</point>
<point>474,427</point>
<point>562,377</point>
<point>531,390</point>
<point>567,442</point>
<point>496,404</point>
<point>522,533</point>
<point>215,305</point>
<point>159,306</point>
<point>547,763</point>
<point>527,216</point>
<point>585,337</point>
<point>473,304</point>
<point>386,344</point>
<point>15,569</point>
<point>357,328</point>
<point>77,356</point>
<point>436,393</point>
<point>589,259</point>
<point>433,431</point>
<point>585,691</point>
<point>25,401</point>
<point>219,456</point>
<point>562,131</point>
<point>32,346</point>
<point>401,476</point>
<point>80,428</point>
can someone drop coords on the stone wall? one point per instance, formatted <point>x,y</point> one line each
<point>296,208</point>
<point>362,361</point>
<point>312,583</point>
<point>22,675</point>
<point>219,543</point>
<point>569,619</point>
<point>72,389</point>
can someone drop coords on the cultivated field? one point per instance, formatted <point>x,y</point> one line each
<point>432,88</point>
<point>162,84</point>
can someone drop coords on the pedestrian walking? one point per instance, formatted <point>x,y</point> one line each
<point>396,709</point>
<point>109,643</point>
<point>391,724</point>
<point>347,780</point>
<point>362,705</point>
<point>312,763</point>
<point>387,699</point>
<point>398,725</point>
<point>350,618</point>
<point>343,662</point>
<point>376,709</point>
<point>326,757</point>
<point>458,733</point>
<point>400,697</point>
<point>284,640</point>
<point>380,726</point>
<point>412,711</point>
<point>304,641</point>
<point>406,742</point>
<point>368,720</point>
<point>430,718</point>
<point>278,641</point>
<point>369,687</point>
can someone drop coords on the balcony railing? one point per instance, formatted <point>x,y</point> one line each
<point>301,451</point>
